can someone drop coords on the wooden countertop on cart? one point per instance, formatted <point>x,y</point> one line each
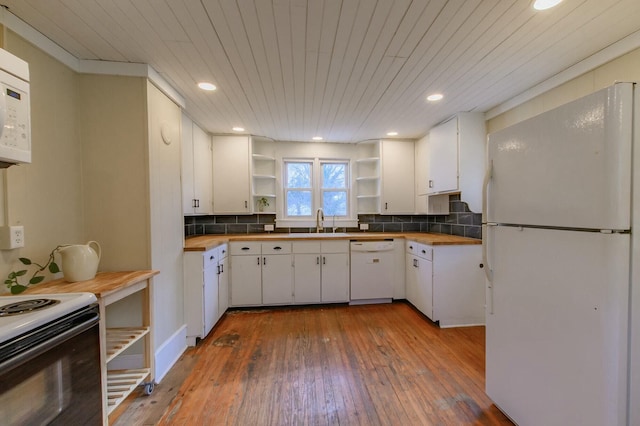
<point>104,283</point>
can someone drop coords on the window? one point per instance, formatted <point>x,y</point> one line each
<point>311,184</point>
<point>299,188</point>
<point>334,188</point>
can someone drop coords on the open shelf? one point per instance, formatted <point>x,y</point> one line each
<point>120,383</point>
<point>367,160</point>
<point>263,157</point>
<point>119,339</point>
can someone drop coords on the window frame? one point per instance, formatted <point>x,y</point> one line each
<point>283,219</point>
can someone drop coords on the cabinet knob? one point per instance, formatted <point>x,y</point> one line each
<point>386,206</point>
<point>211,257</point>
<point>481,265</point>
<point>277,248</point>
<point>430,183</point>
<point>246,204</point>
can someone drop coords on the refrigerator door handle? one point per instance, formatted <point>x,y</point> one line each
<point>488,174</point>
<point>488,271</point>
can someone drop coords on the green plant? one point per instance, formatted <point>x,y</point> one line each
<point>12,279</point>
<point>262,203</point>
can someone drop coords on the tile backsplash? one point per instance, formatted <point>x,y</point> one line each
<point>460,221</point>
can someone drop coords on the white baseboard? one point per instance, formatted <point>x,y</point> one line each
<point>169,352</point>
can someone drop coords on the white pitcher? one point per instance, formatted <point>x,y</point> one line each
<point>80,262</point>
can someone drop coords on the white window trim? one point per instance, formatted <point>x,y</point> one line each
<point>349,221</point>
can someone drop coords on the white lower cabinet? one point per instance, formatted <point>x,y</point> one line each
<point>445,282</point>
<point>261,273</point>
<point>458,285</point>
<point>277,273</point>
<point>223,280</point>
<point>321,271</point>
<point>419,277</point>
<point>204,284</point>
<point>246,273</point>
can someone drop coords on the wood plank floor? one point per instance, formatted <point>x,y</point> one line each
<point>330,365</point>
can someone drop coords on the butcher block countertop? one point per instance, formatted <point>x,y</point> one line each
<point>103,285</point>
<point>206,242</point>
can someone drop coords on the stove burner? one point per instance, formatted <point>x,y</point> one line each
<point>26,306</point>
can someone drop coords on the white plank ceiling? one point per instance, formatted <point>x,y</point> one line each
<point>346,70</point>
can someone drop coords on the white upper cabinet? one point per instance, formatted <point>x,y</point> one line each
<point>456,158</point>
<point>197,179</point>
<point>231,175</point>
<point>397,195</point>
<point>425,203</point>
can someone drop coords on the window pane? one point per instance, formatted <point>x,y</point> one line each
<point>334,175</point>
<point>299,203</point>
<point>298,175</point>
<point>334,203</point>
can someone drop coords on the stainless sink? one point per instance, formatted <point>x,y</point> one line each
<point>320,235</point>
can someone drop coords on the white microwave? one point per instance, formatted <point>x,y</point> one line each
<point>15,116</point>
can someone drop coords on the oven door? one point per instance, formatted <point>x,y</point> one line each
<point>51,376</point>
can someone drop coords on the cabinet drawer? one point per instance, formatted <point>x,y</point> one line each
<point>424,251</point>
<point>223,251</point>
<point>276,247</point>
<point>300,247</point>
<point>335,246</point>
<point>411,247</point>
<point>245,247</point>
<point>209,258</point>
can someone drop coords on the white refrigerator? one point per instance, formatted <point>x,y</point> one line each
<point>561,329</point>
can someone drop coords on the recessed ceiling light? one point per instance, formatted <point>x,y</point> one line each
<point>317,138</point>
<point>238,129</point>
<point>435,97</point>
<point>207,86</point>
<point>545,4</point>
<point>392,134</point>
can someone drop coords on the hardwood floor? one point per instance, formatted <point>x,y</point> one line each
<point>325,365</point>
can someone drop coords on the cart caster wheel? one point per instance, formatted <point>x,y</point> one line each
<point>148,388</point>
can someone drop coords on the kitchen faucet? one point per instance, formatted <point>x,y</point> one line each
<point>319,219</point>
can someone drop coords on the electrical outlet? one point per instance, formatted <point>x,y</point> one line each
<point>268,228</point>
<point>364,226</point>
<point>11,237</point>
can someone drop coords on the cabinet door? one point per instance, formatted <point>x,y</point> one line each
<point>202,171</point>
<point>187,170</point>
<point>422,166</point>
<point>306,278</point>
<point>231,179</point>
<point>412,281</point>
<point>210,298</point>
<point>223,286</point>
<point>335,277</point>
<point>425,286</point>
<point>458,285</point>
<point>443,157</point>
<point>277,279</point>
<point>397,177</point>
<point>246,287</point>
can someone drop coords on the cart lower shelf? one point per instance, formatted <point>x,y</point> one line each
<point>120,383</point>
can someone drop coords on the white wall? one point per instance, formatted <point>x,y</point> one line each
<point>46,195</point>
<point>624,68</point>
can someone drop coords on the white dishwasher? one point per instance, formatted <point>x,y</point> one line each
<point>372,268</point>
